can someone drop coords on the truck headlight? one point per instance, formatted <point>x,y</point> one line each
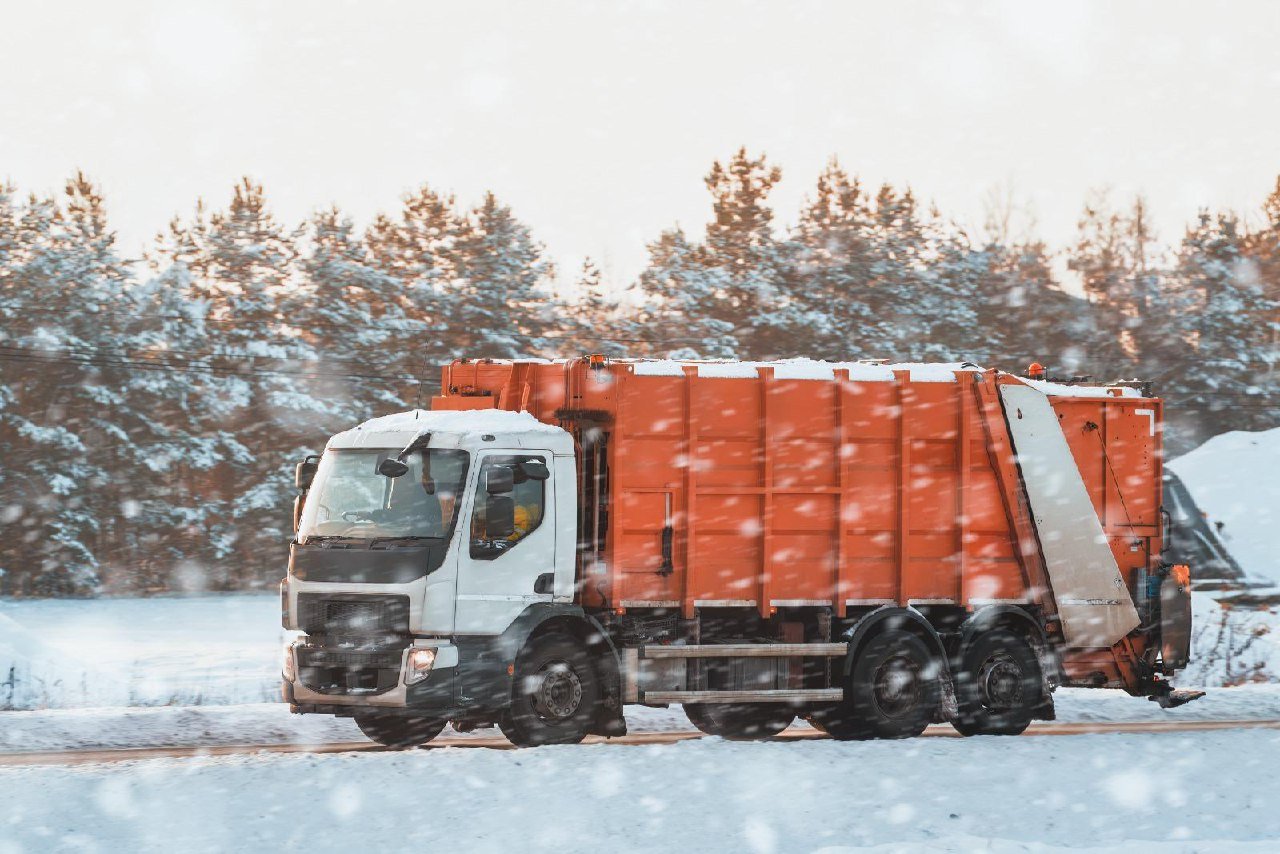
<point>287,667</point>
<point>419,667</point>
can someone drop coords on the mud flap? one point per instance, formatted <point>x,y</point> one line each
<point>1175,619</point>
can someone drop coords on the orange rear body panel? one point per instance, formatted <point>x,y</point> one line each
<point>843,493</point>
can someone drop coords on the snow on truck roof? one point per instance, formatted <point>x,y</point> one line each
<point>814,369</point>
<point>811,369</point>
<point>400,428</point>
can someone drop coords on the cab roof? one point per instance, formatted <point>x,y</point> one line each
<point>474,429</point>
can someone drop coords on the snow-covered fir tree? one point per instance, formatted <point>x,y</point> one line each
<point>498,304</point>
<point>1229,327</point>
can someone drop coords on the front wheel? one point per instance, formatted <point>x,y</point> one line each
<point>738,721</point>
<point>398,731</point>
<point>555,695</point>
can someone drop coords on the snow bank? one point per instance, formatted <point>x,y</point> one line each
<point>67,653</point>
<point>1175,792</point>
<point>1231,645</point>
<point>1235,479</point>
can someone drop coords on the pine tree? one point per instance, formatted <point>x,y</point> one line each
<point>241,263</point>
<point>60,425</point>
<point>595,323</point>
<point>353,315</point>
<point>683,297</point>
<point>832,266</point>
<point>1263,249</point>
<point>418,255</point>
<point>741,249</point>
<point>1225,307</point>
<point>1116,257</point>
<point>498,304</point>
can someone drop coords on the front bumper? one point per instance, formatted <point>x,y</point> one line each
<point>346,678</point>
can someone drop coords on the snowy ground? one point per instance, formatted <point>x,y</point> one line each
<point>271,723</point>
<point>1179,792</point>
<point>69,653</point>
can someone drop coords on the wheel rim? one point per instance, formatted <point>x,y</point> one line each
<point>897,685</point>
<point>559,692</point>
<point>1000,681</point>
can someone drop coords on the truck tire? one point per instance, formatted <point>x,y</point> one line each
<point>555,694</point>
<point>392,730</point>
<point>740,721</point>
<point>998,686</point>
<point>892,691</point>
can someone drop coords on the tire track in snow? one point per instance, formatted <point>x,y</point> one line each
<point>93,756</point>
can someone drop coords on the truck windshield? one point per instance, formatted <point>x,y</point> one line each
<point>349,498</point>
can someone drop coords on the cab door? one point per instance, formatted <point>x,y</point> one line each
<point>508,543</point>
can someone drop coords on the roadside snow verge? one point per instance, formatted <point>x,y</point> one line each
<point>272,723</point>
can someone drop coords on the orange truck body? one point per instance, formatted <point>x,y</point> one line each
<point>767,488</point>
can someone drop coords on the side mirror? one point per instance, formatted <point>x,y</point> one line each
<point>393,468</point>
<point>499,481</point>
<point>305,472</point>
<point>500,517</point>
<point>535,469</point>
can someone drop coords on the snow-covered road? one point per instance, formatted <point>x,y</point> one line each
<point>1202,791</point>
<point>271,723</point>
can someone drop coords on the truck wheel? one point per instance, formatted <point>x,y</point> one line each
<point>738,721</point>
<point>891,693</point>
<point>398,730</point>
<point>555,694</point>
<point>999,685</point>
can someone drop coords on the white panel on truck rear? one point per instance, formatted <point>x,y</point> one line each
<point>1093,602</point>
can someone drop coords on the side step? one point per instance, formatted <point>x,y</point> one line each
<point>827,695</point>
<point>1173,699</point>
<point>746,650</point>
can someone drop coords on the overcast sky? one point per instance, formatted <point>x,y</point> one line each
<point>598,121</point>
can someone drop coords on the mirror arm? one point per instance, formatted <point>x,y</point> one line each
<point>418,444</point>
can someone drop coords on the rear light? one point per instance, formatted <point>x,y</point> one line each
<point>284,602</point>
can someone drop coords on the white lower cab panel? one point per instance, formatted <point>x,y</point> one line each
<point>1093,602</point>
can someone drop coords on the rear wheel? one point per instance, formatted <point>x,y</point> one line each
<point>891,693</point>
<point>555,694</point>
<point>393,730</point>
<point>999,685</point>
<point>740,721</point>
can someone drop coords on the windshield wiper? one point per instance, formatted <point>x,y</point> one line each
<point>329,538</point>
<point>405,539</point>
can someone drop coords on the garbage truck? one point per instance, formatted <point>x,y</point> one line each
<point>868,547</point>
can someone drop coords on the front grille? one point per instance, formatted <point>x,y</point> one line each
<point>309,657</point>
<point>329,671</point>
<point>353,614</point>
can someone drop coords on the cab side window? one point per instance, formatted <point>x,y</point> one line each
<point>510,503</point>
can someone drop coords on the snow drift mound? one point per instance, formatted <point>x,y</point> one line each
<point>1234,478</point>
<point>34,675</point>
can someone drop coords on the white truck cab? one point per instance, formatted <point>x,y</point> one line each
<point>423,539</point>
